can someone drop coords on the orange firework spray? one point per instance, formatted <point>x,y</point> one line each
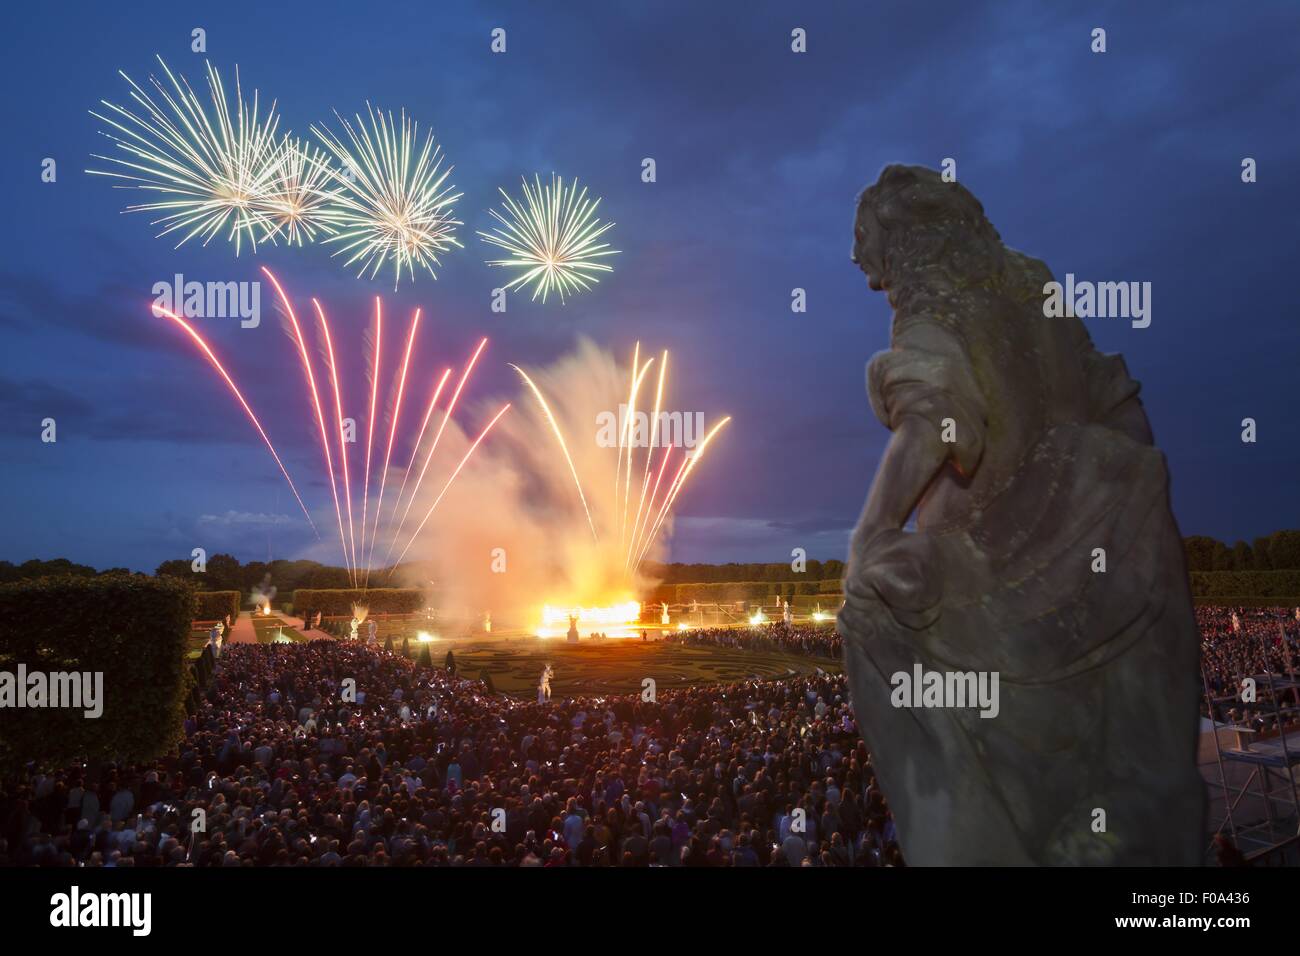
<point>649,457</point>
<point>654,492</point>
<point>631,446</point>
<point>198,339</point>
<point>624,431</point>
<point>559,437</point>
<point>675,489</point>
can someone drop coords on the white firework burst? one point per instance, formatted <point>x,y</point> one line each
<point>208,171</point>
<point>393,202</point>
<point>553,236</point>
<point>298,200</point>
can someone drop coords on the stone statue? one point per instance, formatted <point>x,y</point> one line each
<point>544,685</point>
<point>663,615</point>
<point>355,626</point>
<point>787,616</point>
<point>1046,575</point>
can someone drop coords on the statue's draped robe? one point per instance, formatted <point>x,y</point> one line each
<point>1097,670</point>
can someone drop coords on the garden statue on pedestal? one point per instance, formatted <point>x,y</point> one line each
<point>544,686</point>
<point>1045,564</point>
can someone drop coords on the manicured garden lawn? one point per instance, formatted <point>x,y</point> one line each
<point>616,666</point>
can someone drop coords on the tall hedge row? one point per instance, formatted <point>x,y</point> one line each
<point>131,628</point>
<point>340,601</point>
<point>215,605</point>
<point>722,593</point>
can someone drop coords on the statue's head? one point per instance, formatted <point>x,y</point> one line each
<point>904,221</point>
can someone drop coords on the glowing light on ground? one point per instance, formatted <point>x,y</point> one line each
<point>615,620</point>
<point>424,637</point>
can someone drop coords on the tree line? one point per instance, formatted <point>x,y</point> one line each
<point>1279,551</point>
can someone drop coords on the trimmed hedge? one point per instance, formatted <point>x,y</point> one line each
<point>131,628</point>
<point>215,605</point>
<point>1254,584</point>
<point>809,602</point>
<point>723,593</point>
<point>340,601</point>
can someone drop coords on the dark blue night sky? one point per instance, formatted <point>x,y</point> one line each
<point>1122,166</point>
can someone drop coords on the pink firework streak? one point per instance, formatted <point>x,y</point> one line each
<point>247,410</point>
<point>344,502</point>
<point>343,447</point>
<point>370,424</point>
<point>315,397</point>
<point>415,448</point>
<point>451,407</point>
<point>392,433</point>
<point>433,507</point>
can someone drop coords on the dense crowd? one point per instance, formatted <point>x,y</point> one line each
<point>335,754</point>
<point>1242,642</point>
<point>804,639</point>
<point>1262,639</point>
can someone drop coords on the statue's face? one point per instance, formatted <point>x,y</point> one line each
<point>869,247</point>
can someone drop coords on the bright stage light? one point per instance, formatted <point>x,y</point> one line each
<point>613,620</point>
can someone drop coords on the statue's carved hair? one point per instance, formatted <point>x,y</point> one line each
<point>930,223</point>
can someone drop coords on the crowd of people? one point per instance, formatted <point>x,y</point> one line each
<point>331,753</point>
<point>1248,642</point>
<point>806,639</point>
<point>335,753</point>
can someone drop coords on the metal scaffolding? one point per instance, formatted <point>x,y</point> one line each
<point>1261,813</point>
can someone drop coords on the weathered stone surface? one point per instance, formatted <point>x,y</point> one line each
<point>1049,456</point>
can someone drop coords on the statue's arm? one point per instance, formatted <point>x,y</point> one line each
<point>914,455</point>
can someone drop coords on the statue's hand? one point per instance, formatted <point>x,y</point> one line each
<point>897,568</point>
